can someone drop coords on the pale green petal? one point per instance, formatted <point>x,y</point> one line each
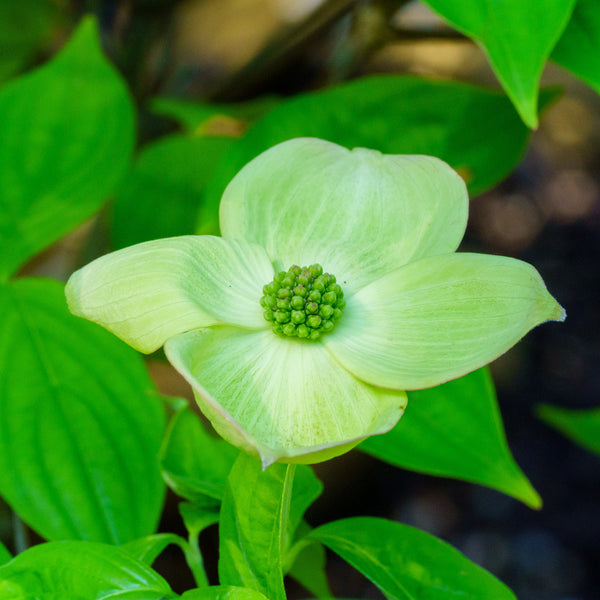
<point>282,398</point>
<point>358,213</point>
<point>150,292</point>
<point>439,318</point>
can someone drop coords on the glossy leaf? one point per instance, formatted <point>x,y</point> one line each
<point>253,524</point>
<point>579,47</point>
<point>308,568</point>
<point>81,426</point>
<point>580,426</point>
<point>148,548</point>
<point>79,570</point>
<point>305,490</point>
<point>408,564</point>
<point>223,592</point>
<point>66,139</point>
<point>474,129</point>
<point>455,430</point>
<point>194,463</point>
<point>5,555</point>
<point>197,518</point>
<point>518,37</point>
<point>212,119</point>
<point>161,195</point>
<point>25,27</point>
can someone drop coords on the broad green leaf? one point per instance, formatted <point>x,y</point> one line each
<point>66,139</point>
<point>148,548</point>
<point>161,195</point>
<point>25,28</point>
<point>579,47</point>
<point>5,555</point>
<point>194,463</point>
<point>518,37</point>
<point>78,571</point>
<point>197,518</point>
<point>223,592</point>
<point>253,524</point>
<point>455,430</point>
<point>580,426</point>
<point>474,129</point>
<point>408,564</point>
<point>81,426</point>
<point>209,119</point>
<point>308,568</point>
<point>139,594</point>
<point>305,490</point>
<point>304,561</point>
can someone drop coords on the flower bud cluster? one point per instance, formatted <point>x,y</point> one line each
<point>303,302</point>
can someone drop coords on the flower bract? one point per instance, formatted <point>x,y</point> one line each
<point>335,287</point>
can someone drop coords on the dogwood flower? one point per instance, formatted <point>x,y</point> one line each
<point>335,287</point>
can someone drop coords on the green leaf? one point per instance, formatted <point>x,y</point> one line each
<point>81,426</point>
<point>66,139</point>
<point>148,548</point>
<point>195,117</point>
<point>5,555</point>
<point>474,129</point>
<point>408,564</point>
<point>580,426</point>
<point>161,195</point>
<point>308,569</point>
<point>223,592</point>
<point>305,490</point>
<point>517,36</point>
<point>253,524</point>
<point>579,47</point>
<point>79,570</point>
<point>455,430</point>
<point>25,27</point>
<point>197,518</point>
<point>194,463</point>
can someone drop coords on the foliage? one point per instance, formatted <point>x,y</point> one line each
<point>86,452</point>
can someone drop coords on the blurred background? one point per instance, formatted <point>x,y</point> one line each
<point>546,212</point>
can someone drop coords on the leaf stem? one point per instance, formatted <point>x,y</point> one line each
<point>19,534</point>
<point>193,557</point>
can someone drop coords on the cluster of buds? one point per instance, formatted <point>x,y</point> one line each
<point>303,302</point>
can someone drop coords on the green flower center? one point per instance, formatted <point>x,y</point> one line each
<point>303,302</point>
